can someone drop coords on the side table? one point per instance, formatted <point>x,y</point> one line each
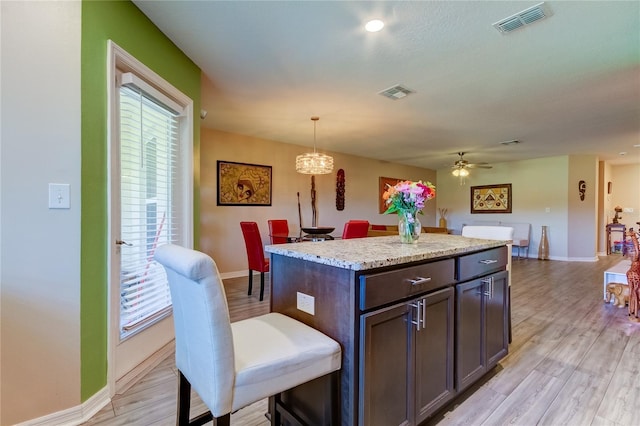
<point>616,227</point>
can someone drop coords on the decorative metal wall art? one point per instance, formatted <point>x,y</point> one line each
<point>491,198</point>
<point>340,190</point>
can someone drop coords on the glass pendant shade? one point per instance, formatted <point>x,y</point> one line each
<point>460,172</point>
<point>313,163</point>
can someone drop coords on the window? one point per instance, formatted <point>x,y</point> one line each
<point>150,202</point>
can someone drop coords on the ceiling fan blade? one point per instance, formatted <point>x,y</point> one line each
<point>479,166</point>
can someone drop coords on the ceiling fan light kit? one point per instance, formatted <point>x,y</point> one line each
<point>461,167</point>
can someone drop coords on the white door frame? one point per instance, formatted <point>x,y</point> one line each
<point>117,58</point>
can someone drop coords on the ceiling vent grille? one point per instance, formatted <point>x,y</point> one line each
<point>396,92</point>
<point>526,17</point>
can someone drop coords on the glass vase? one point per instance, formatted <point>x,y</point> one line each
<point>409,228</point>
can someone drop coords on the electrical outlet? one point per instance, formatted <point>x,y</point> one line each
<point>306,303</point>
<point>627,210</point>
<point>547,210</point>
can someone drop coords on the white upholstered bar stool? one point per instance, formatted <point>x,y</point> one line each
<point>494,233</point>
<point>232,365</point>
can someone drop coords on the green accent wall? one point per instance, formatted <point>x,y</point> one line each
<point>122,22</point>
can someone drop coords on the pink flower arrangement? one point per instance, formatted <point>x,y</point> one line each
<point>408,198</point>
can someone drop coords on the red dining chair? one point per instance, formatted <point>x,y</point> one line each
<point>255,254</point>
<point>355,229</point>
<point>278,231</point>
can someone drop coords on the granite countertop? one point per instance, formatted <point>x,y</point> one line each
<point>374,252</point>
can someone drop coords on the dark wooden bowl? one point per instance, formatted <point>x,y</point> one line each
<point>317,230</point>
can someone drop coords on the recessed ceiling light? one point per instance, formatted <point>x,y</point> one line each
<point>622,153</point>
<point>513,142</point>
<point>374,25</point>
<point>637,145</point>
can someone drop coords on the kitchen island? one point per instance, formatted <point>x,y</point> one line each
<point>417,323</point>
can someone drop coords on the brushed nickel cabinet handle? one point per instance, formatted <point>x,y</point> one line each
<point>419,280</point>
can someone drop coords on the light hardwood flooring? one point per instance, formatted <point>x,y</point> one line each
<point>573,361</point>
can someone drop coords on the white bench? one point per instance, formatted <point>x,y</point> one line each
<point>616,274</point>
<point>521,233</point>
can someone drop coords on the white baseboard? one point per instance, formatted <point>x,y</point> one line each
<point>235,274</point>
<point>133,376</point>
<point>75,415</point>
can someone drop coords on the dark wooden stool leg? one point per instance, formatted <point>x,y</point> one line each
<point>250,282</point>
<point>184,400</point>
<point>261,286</point>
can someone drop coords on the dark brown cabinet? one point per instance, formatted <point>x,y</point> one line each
<point>399,327</point>
<point>407,360</point>
<point>481,327</point>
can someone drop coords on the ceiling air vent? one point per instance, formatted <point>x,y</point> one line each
<point>526,17</point>
<point>396,92</point>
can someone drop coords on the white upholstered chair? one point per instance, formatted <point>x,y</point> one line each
<point>521,237</point>
<point>232,365</point>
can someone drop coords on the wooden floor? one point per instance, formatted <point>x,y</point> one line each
<point>573,361</point>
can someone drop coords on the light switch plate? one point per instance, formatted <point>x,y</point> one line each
<point>59,196</point>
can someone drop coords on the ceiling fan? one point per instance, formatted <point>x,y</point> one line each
<point>461,165</point>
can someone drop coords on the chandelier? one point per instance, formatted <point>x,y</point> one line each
<point>314,163</point>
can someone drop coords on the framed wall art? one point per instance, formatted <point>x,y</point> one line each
<point>382,186</point>
<point>491,198</point>
<point>241,184</point>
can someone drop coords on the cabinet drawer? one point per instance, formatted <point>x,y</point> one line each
<point>482,263</point>
<point>386,287</point>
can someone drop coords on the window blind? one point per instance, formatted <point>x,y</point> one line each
<point>148,175</point>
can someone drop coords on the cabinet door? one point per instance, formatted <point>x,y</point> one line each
<point>497,324</point>
<point>470,348</point>
<point>386,365</point>
<point>434,354</point>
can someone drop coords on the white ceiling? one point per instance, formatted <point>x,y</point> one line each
<point>569,84</point>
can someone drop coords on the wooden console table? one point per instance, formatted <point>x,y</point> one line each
<point>616,227</point>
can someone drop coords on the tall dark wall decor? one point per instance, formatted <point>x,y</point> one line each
<point>582,188</point>
<point>340,190</point>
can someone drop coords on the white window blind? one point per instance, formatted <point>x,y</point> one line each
<point>149,174</point>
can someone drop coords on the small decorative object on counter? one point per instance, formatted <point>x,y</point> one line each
<point>407,199</point>
<point>543,248</point>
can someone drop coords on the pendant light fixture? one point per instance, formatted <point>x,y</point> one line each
<point>313,163</point>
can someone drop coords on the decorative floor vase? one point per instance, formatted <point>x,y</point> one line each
<point>409,229</point>
<point>443,222</point>
<point>543,248</point>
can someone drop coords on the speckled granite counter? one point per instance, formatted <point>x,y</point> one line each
<point>360,254</point>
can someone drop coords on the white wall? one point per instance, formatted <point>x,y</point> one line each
<point>536,185</point>
<point>40,248</point>
<point>583,214</point>
<point>220,225</point>
<point>625,192</point>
